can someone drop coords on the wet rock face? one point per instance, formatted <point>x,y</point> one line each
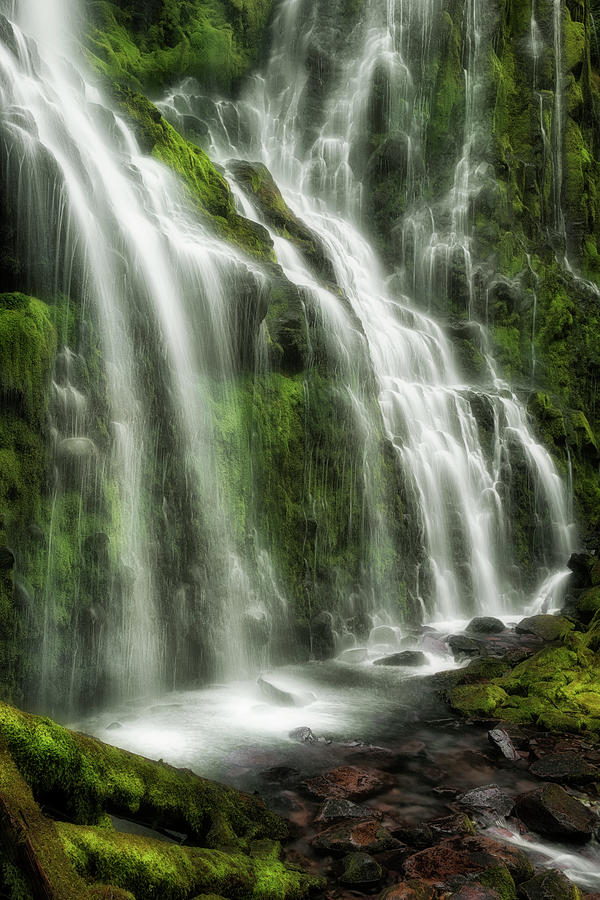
<point>552,812</point>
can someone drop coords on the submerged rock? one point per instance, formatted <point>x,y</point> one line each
<point>279,697</point>
<point>303,734</point>
<point>485,625</point>
<point>409,658</point>
<point>550,811</point>
<point>346,782</point>
<point>354,655</point>
<point>410,890</point>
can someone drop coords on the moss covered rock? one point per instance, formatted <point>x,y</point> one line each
<point>43,764</point>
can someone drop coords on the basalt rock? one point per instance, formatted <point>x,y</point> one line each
<point>337,810</point>
<point>486,625</point>
<point>368,836</point>
<point>552,885</point>
<point>550,811</point>
<point>360,869</point>
<point>467,855</point>
<point>346,782</point>
<point>548,628</point>
<point>566,768</point>
<point>409,658</point>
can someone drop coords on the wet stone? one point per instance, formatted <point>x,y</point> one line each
<point>346,782</point>
<point>501,739</point>
<point>551,885</point>
<point>360,869</point>
<point>485,625</point>
<point>411,658</point>
<point>489,798</point>
<point>355,655</point>
<point>464,647</point>
<point>548,628</point>
<point>368,836</point>
<point>567,768</point>
<point>335,810</point>
<point>409,890</point>
<point>549,810</point>
<point>466,855</point>
<point>303,734</point>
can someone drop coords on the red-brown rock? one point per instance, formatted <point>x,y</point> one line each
<point>410,890</point>
<point>466,855</point>
<point>348,781</point>
<point>368,836</point>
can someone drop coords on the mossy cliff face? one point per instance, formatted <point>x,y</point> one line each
<point>150,44</point>
<point>231,845</point>
<point>533,217</point>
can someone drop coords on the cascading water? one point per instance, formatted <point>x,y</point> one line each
<point>142,490</point>
<point>119,235</point>
<point>462,488</point>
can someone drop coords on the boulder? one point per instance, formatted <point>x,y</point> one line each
<point>346,782</point>
<point>485,625</point>
<point>487,799</point>
<point>409,658</point>
<point>368,836</point>
<point>360,869</point>
<point>551,885</point>
<point>550,811</point>
<point>546,627</point>
<point>567,768</point>
<point>335,810</point>
<point>464,856</point>
<point>464,647</point>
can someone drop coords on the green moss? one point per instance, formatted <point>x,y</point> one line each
<point>499,879</point>
<point>27,349</point>
<point>85,778</point>
<point>477,699</point>
<point>207,189</point>
<point>211,40</point>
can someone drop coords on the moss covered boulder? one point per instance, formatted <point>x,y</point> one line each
<point>231,844</point>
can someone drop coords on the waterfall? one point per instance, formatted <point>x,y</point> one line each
<point>118,234</point>
<point>462,489</point>
<point>137,481</point>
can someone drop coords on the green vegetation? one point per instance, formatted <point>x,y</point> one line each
<point>82,780</point>
<point>151,45</point>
